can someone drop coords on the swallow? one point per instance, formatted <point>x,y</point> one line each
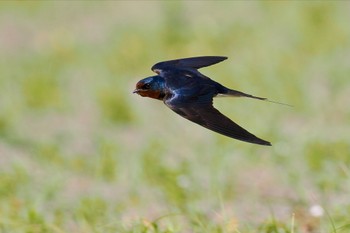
<point>190,94</point>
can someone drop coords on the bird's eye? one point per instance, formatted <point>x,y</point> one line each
<point>146,86</point>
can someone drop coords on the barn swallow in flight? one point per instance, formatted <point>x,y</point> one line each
<point>189,93</point>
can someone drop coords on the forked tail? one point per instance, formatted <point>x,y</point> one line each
<point>230,92</point>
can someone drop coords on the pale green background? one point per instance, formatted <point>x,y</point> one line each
<point>80,153</point>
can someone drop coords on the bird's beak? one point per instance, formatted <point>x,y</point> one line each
<point>135,91</point>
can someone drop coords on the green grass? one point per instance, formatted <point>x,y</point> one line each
<point>80,153</point>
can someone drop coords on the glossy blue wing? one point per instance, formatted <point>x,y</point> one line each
<point>200,110</point>
<point>188,63</point>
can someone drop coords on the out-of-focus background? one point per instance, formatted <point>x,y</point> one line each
<point>80,153</point>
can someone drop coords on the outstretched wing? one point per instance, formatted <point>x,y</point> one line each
<point>188,63</point>
<point>202,112</point>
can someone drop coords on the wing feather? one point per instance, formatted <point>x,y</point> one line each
<point>210,118</point>
<point>188,63</point>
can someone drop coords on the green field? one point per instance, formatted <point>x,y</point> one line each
<point>80,153</point>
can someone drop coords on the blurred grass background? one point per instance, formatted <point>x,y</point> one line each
<point>80,153</point>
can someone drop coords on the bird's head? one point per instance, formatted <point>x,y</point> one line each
<point>153,87</point>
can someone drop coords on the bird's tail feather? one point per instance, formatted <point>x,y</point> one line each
<point>230,92</point>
